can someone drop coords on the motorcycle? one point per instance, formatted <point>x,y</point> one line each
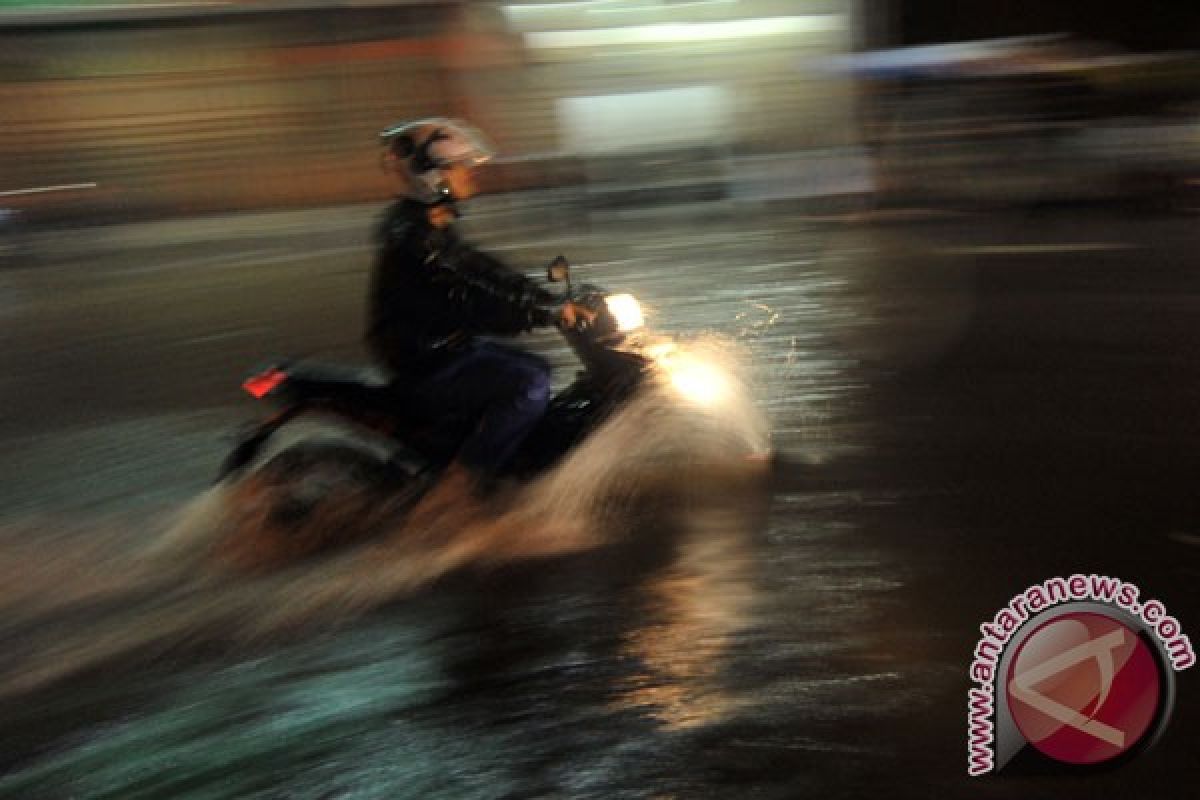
<point>403,451</point>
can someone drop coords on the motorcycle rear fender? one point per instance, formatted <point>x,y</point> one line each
<point>254,439</point>
<point>251,443</point>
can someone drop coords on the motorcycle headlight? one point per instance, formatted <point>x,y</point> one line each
<point>626,310</point>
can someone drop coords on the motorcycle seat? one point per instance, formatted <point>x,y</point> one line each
<point>319,372</point>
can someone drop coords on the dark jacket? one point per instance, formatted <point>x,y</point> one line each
<point>431,293</point>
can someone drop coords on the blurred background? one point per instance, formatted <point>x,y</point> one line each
<point>147,110</point>
<point>955,243</point>
<point>177,109</point>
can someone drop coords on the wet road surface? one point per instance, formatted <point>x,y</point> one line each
<point>966,406</point>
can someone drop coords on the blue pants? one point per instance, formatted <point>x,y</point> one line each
<point>506,389</point>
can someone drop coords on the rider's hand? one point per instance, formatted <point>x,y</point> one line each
<point>572,314</point>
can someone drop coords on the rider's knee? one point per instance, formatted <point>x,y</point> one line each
<point>535,389</point>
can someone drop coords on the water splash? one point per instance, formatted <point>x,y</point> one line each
<point>189,583</point>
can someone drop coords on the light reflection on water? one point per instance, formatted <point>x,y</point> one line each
<point>694,609</point>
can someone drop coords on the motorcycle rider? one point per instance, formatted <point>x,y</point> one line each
<point>432,294</point>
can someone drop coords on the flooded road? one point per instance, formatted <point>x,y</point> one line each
<point>964,407</point>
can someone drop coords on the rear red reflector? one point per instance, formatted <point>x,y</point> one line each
<point>264,383</point>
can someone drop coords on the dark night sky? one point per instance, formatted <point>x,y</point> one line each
<point>1136,24</point>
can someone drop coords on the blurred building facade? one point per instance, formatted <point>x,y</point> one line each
<point>173,110</point>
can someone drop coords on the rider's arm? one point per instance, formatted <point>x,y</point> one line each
<point>495,270</point>
<point>493,299</point>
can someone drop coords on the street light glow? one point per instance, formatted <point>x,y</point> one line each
<point>675,33</point>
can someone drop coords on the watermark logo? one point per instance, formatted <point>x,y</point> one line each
<point>1084,688</point>
<point>1078,670</point>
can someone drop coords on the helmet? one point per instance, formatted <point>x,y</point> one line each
<point>423,147</point>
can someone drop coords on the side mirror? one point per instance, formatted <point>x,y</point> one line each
<point>559,271</point>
